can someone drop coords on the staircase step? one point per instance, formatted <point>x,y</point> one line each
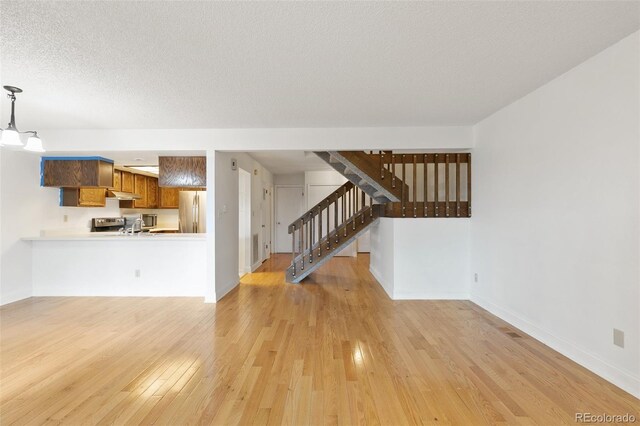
<point>373,186</point>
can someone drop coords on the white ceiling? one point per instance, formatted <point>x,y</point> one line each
<point>289,162</point>
<point>290,64</point>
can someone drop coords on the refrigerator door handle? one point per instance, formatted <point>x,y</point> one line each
<point>197,217</point>
<point>193,215</point>
<point>198,212</point>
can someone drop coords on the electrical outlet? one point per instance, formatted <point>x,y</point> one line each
<point>137,273</point>
<point>65,218</point>
<point>475,277</point>
<point>618,337</point>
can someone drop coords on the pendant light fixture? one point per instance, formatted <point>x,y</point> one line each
<point>11,136</point>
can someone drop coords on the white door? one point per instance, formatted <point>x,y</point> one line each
<point>266,221</point>
<point>289,207</point>
<point>244,222</point>
<point>317,193</point>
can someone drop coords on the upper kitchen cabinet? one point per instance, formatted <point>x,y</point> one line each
<point>140,188</point>
<point>126,181</point>
<point>186,172</point>
<point>76,172</point>
<point>152,192</point>
<point>117,180</point>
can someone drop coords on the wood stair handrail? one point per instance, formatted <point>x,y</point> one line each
<point>340,229</point>
<point>313,211</point>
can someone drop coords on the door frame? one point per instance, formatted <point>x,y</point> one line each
<point>246,221</point>
<point>275,209</point>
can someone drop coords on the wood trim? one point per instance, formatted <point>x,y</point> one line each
<point>397,158</point>
<point>395,210</point>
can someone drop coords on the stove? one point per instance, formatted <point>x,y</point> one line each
<point>107,224</point>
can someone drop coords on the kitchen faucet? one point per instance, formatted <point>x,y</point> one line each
<point>140,223</point>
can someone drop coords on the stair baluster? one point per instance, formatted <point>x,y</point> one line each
<point>293,251</point>
<point>404,179</point>
<point>458,185</point>
<point>469,185</point>
<point>302,243</point>
<point>344,210</point>
<point>319,231</point>
<point>435,182</point>
<point>393,170</point>
<point>355,207</point>
<point>446,184</point>
<point>426,182</point>
<point>415,186</point>
<point>310,226</point>
<point>335,222</point>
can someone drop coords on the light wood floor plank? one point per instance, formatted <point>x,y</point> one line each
<point>334,350</point>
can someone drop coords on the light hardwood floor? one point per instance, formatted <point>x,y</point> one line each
<point>334,350</point>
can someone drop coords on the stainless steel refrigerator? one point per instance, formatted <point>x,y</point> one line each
<point>192,215</point>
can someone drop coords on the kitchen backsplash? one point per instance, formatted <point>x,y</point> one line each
<point>75,220</point>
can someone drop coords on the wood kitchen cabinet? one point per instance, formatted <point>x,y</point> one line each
<point>152,192</point>
<point>185,172</point>
<point>140,188</point>
<point>117,180</point>
<point>168,197</point>
<point>126,181</point>
<point>77,172</point>
<point>83,197</point>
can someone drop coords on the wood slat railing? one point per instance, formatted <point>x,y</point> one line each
<point>445,179</point>
<point>327,223</point>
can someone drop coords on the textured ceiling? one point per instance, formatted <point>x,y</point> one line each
<point>290,64</point>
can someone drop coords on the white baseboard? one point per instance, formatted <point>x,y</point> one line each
<point>14,297</point>
<point>226,289</point>
<point>622,379</point>
<point>256,265</point>
<point>430,296</point>
<point>417,295</point>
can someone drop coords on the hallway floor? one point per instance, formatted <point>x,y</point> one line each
<point>334,350</point>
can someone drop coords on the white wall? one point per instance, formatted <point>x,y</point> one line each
<point>162,264</point>
<point>24,206</point>
<point>289,179</point>
<point>382,259</point>
<point>261,179</point>
<point>226,224</point>
<point>555,231</point>
<point>423,258</point>
<point>308,139</point>
<point>226,214</point>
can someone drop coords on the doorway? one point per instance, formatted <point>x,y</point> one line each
<point>244,222</point>
<point>289,207</point>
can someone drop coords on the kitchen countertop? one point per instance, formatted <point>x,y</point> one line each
<point>115,236</point>
<point>161,230</point>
